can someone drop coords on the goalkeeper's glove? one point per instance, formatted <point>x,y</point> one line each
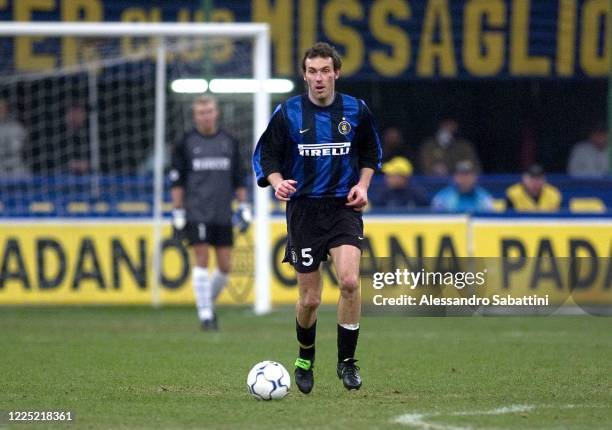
<point>243,217</point>
<point>179,222</point>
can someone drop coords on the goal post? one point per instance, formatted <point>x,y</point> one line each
<point>259,34</point>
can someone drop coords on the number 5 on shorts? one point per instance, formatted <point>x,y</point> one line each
<point>306,257</point>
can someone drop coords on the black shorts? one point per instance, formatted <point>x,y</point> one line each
<point>315,226</point>
<point>212,234</point>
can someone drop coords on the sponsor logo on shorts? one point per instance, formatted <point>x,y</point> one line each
<point>294,258</point>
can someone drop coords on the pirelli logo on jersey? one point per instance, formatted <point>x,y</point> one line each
<point>324,149</point>
<point>211,163</point>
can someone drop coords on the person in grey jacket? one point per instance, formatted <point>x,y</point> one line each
<point>12,144</point>
<point>591,158</point>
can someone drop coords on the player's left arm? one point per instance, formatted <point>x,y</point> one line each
<point>369,150</point>
<point>358,195</point>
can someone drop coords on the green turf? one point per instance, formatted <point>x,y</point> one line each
<point>125,367</point>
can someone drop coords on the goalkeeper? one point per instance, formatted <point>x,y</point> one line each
<point>206,175</point>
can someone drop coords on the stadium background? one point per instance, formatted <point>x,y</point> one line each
<point>524,78</point>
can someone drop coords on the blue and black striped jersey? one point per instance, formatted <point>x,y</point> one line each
<point>322,148</point>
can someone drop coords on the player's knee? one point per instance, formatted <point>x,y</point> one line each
<point>310,302</point>
<point>201,259</point>
<point>349,284</point>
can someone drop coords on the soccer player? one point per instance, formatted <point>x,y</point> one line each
<point>206,175</point>
<point>319,153</point>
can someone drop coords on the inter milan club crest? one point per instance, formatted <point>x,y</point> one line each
<point>344,127</point>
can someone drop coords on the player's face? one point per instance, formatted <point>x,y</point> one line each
<point>321,78</point>
<point>205,117</point>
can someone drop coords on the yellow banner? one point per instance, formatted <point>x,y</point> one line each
<point>86,262</point>
<point>92,261</point>
<point>566,259</point>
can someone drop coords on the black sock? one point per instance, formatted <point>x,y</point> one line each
<point>306,340</point>
<point>347,343</point>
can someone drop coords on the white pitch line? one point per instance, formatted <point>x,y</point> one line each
<point>499,411</point>
<point>419,420</point>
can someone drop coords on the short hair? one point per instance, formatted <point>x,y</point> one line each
<point>204,100</point>
<point>322,50</point>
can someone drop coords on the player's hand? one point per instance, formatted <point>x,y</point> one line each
<point>358,197</point>
<point>179,221</point>
<point>284,189</point>
<point>243,217</point>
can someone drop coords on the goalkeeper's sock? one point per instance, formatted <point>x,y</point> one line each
<point>347,340</point>
<point>202,289</point>
<point>219,280</point>
<point>306,340</point>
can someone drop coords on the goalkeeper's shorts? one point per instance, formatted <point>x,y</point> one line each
<point>212,234</point>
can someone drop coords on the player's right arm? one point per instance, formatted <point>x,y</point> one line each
<point>283,188</point>
<point>269,157</point>
<point>178,176</point>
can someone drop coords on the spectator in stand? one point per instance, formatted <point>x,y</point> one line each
<point>393,144</point>
<point>75,142</point>
<point>591,158</point>
<point>533,193</point>
<point>440,153</point>
<point>12,142</point>
<point>463,195</point>
<point>64,151</point>
<point>398,192</point>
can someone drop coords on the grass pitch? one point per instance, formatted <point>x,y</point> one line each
<point>131,367</point>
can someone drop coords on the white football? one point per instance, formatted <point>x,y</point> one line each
<point>268,380</point>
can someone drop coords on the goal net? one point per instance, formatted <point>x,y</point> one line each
<point>89,113</point>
